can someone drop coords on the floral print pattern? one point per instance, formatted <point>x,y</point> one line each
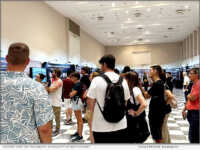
<point>24,106</point>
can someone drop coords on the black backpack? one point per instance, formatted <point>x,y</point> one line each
<point>114,104</point>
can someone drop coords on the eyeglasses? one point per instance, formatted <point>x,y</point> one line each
<point>192,73</point>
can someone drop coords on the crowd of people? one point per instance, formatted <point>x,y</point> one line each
<point>113,104</point>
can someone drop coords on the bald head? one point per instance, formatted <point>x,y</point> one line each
<point>18,54</point>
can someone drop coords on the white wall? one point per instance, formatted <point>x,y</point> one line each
<point>165,53</point>
<point>34,23</point>
<point>91,49</point>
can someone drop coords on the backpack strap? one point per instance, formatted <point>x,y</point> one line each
<point>99,107</point>
<point>120,80</point>
<point>106,79</point>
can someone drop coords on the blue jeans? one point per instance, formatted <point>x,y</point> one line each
<point>193,119</point>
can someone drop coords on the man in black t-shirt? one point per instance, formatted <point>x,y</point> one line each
<point>169,82</point>
<point>85,83</point>
<point>77,105</point>
<point>145,81</point>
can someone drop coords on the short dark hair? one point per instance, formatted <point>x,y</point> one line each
<point>86,69</point>
<point>85,80</point>
<point>116,70</point>
<point>18,53</point>
<point>58,72</point>
<point>169,73</point>
<point>109,60</point>
<point>126,69</point>
<point>42,76</point>
<point>69,72</point>
<point>76,75</point>
<point>195,70</point>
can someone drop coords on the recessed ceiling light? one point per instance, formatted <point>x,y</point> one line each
<point>129,19</point>
<point>113,4</point>
<point>180,11</point>
<point>127,12</point>
<point>148,9</point>
<point>136,2</point>
<point>147,32</point>
<point>156,24</point>
<point>186,6</point>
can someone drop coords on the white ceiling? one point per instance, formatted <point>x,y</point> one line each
<point>120,24</point>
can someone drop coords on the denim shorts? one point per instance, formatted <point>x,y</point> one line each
<point>77,105</point>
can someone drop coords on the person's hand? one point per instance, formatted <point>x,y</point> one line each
<point>47,88</point>
<point>184,114</point>
<point>131,112</point>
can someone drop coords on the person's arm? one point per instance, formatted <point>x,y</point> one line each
<point>54,88</point>
<point>73,93</point>
<point>145,93</point>
<point>142,107</point>
<point>45,133</point>
<point>193,96</point>
<point>169,96</point>
<point>43,113</point>
<point>91,103</point>
<point>184,114</point>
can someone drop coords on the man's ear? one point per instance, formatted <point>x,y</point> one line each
<point>7,58</point>
<point>27,61</point>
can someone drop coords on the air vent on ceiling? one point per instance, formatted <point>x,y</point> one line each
<point>100,18</point>
<point>165,36</point>
<point>170,28</point>
<point>140,28</point>
<point>112,33</point>
<point>180,11</point>
<point>137,14</point>
<point>140,39</point>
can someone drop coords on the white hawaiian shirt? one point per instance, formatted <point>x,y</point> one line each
<point>24,106</point>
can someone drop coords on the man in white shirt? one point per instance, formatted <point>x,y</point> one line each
<point>55,93</point>
<point>103,131</point>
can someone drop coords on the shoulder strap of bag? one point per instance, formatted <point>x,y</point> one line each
<point>99,107</point>
<point>106,79</point>
<point>120,80</point>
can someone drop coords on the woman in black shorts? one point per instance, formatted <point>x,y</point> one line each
<point>157,107</point>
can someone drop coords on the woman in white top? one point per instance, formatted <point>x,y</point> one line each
<point>137,130</point>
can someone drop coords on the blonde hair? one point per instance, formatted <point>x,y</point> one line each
<point>94,74</point>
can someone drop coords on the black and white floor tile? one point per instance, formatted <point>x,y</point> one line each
<point>178,127</point>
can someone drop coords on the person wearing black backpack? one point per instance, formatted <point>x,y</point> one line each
<point>107,97</point>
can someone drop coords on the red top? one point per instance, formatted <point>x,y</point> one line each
<point>67,87</point>
<point>194,105</point>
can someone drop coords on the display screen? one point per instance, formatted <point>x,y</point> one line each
<point>36,71</point>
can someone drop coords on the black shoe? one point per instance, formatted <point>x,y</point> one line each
<point>55,133</point>
<point>84,120</point>
<point>77,138</point>
<point>75,134</point>
<point>68,122</point>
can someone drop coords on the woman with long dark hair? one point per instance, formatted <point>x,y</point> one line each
<point>137,128</point>
<point>158,107</point>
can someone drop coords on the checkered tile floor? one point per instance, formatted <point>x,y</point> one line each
<point>178,127</point>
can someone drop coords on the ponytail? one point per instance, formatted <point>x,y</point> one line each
<point>161,72</point>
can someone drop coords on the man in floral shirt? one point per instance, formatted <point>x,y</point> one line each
<point>25,111</point>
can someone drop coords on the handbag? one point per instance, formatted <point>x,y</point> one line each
<point>137,128</point>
